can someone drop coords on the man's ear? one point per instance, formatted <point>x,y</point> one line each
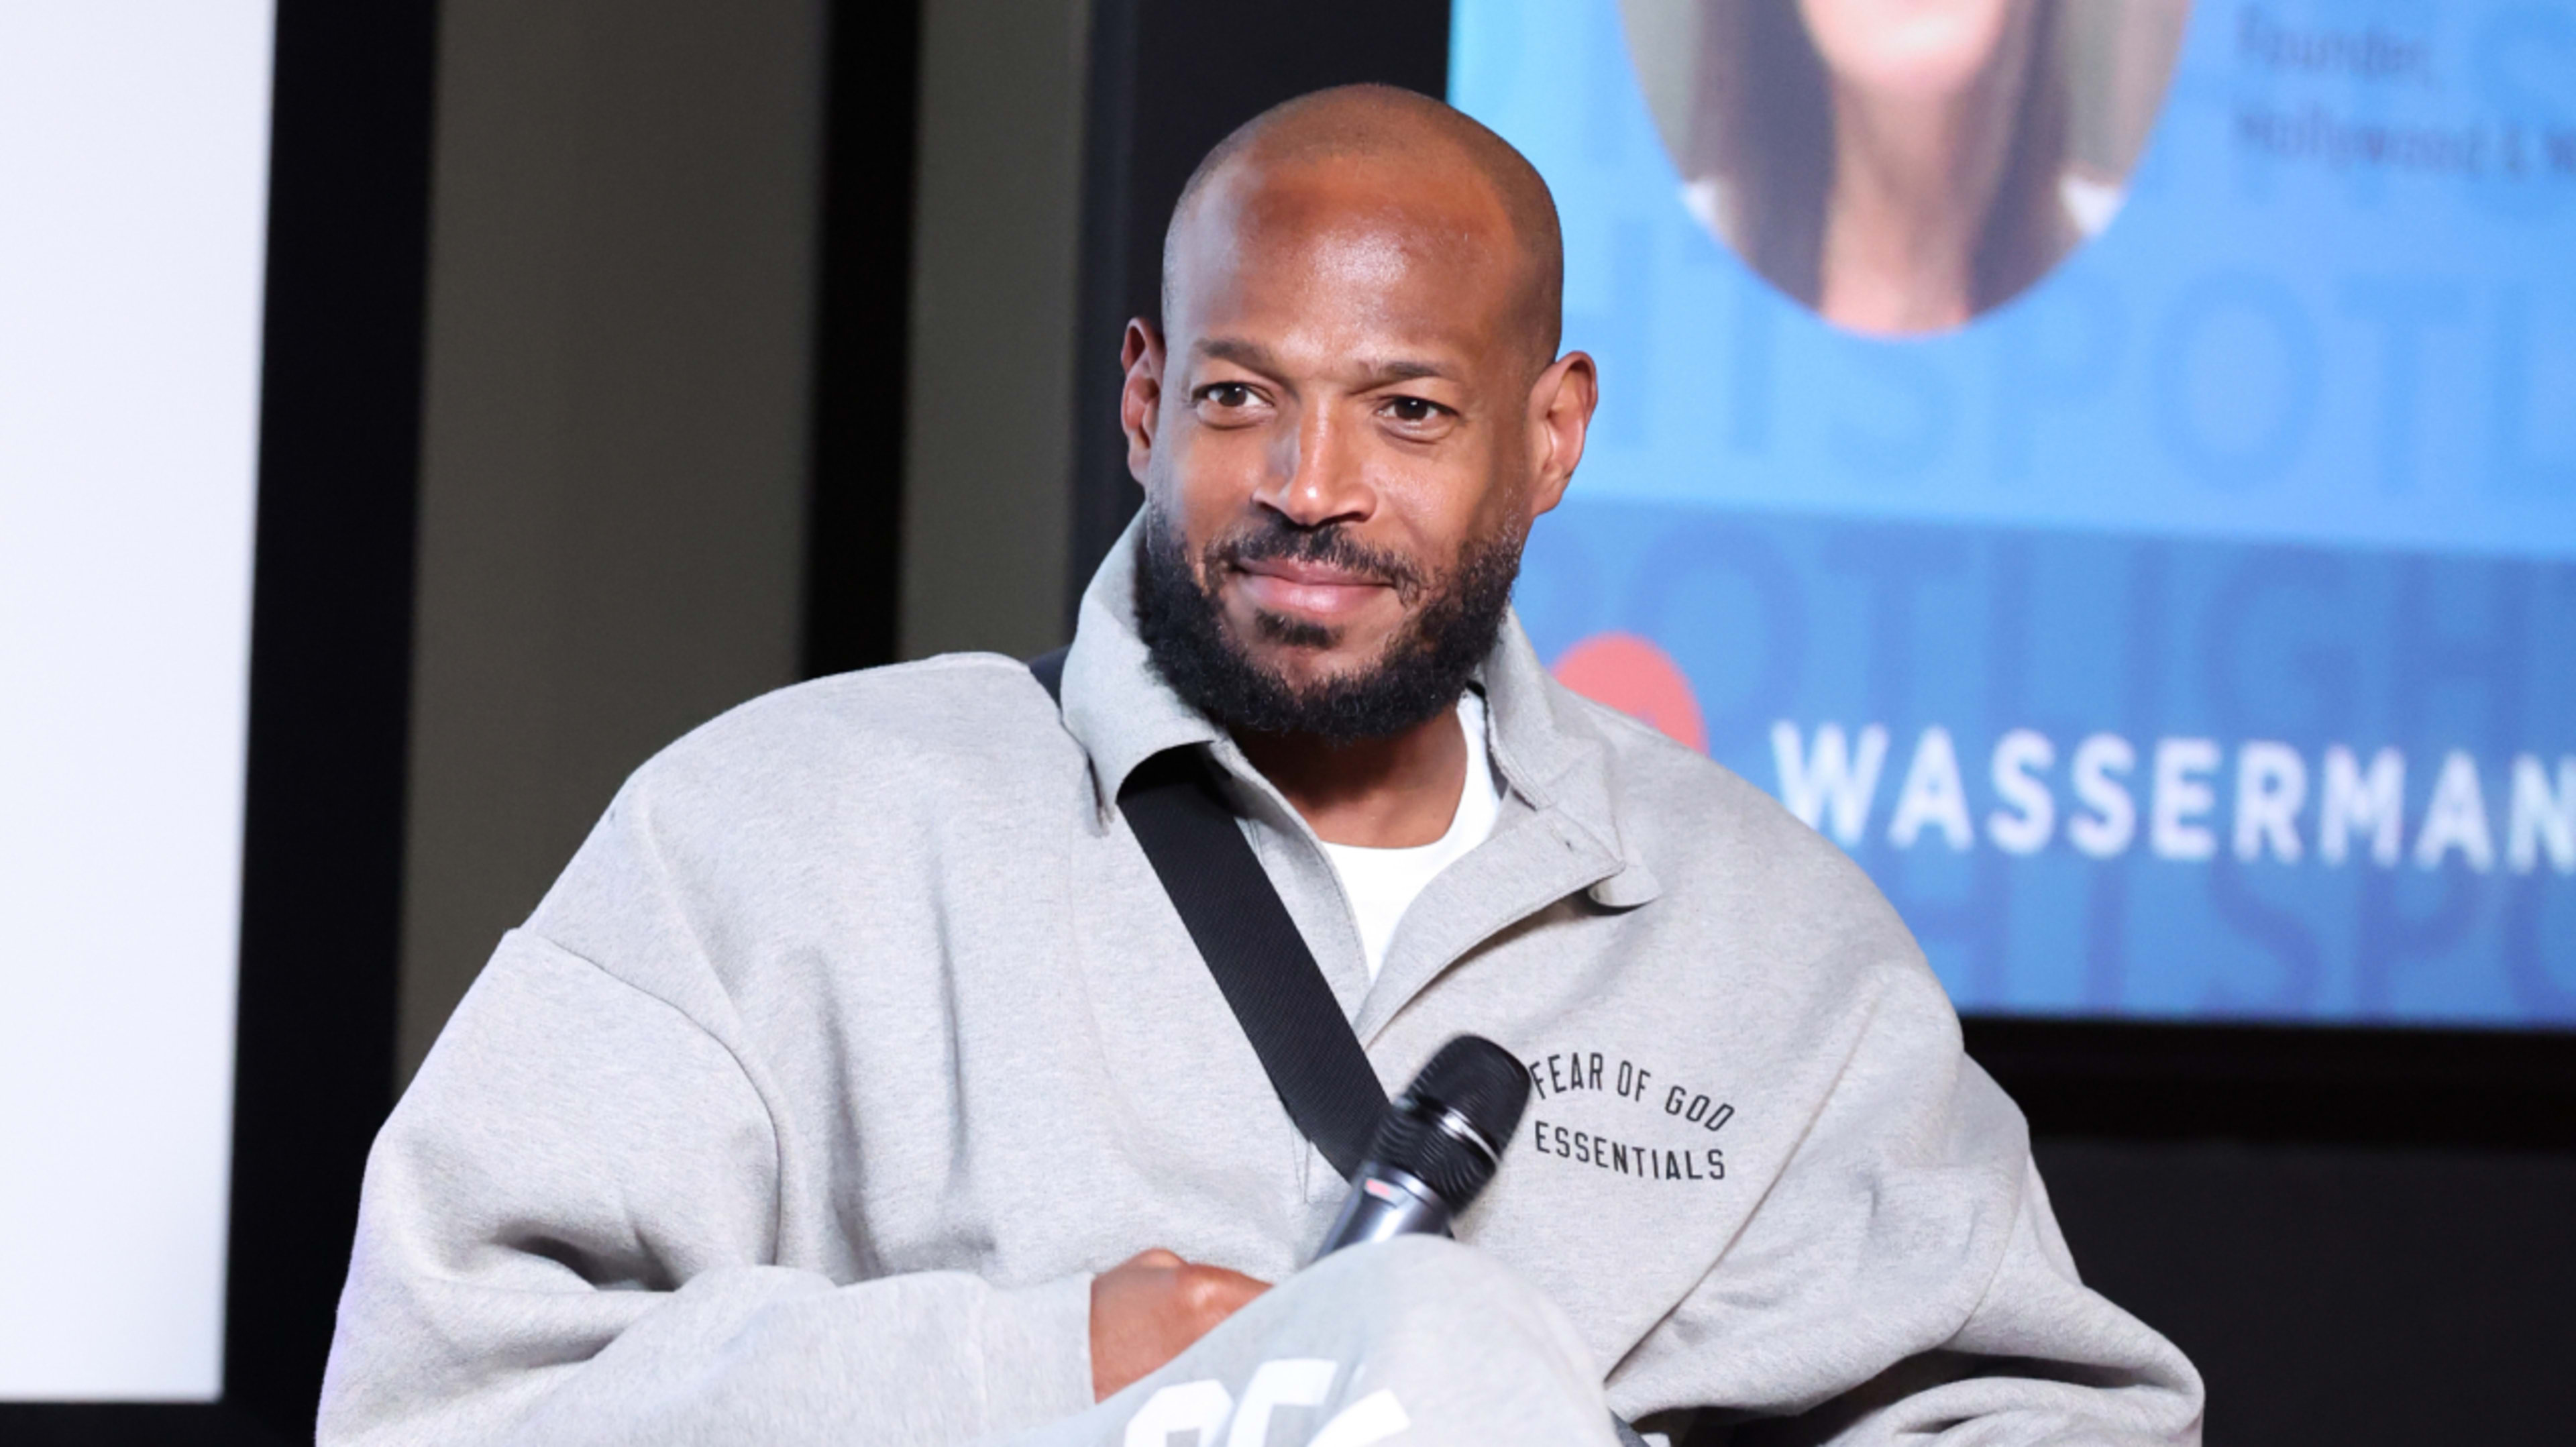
<point>1560,414</point>
<point>1140,401</point>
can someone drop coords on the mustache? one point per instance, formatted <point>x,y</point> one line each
<point>1274,538</point>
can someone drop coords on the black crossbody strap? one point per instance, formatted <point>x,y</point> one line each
<point>1261,964</point>
<point>1049,667</point>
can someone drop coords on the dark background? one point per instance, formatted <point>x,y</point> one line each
<point>2359,1236</point>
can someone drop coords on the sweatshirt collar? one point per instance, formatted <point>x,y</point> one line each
<point>1116,704</point>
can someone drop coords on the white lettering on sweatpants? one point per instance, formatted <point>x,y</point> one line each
<point>1201,1408</point>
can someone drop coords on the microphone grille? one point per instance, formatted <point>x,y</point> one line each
<point>1484,1085</point>
<point>1481,1081</point>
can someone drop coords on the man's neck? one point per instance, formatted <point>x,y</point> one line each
<point>1396,792</point>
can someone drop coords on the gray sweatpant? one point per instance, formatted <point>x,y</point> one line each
<point>1417,1340</point>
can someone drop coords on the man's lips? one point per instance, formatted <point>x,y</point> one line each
<point>1317,591</point>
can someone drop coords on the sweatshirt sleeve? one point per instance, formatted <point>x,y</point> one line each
<point>1908,1246</point>
<point>566,1236</point>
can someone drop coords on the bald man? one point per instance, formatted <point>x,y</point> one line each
<point>858,1082</point>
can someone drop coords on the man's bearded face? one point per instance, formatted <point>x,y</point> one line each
<point>1452,618</point>
<point>1343,445</point>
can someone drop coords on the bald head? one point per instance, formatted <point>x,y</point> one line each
<point>1391,155</point>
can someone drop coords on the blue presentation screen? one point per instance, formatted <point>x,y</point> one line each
<point>2110,466</point>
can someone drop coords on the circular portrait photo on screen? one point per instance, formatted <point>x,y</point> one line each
<point>1903,166</point>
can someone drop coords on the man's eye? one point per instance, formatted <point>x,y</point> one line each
<point>1412,409</point>
<point>1227,395</point>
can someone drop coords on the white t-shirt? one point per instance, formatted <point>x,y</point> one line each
<point>1382,883</point>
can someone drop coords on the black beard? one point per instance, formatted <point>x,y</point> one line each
<point>1425,668</point>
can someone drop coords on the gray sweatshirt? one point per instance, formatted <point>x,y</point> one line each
<point>860,1033</point>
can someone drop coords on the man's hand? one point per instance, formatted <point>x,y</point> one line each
<point>1147,1310</point>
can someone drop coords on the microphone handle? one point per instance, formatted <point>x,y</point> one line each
<point>1385,1202</point>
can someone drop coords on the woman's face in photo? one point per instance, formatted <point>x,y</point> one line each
<point>1901,167</point>
<point>1916,48</point>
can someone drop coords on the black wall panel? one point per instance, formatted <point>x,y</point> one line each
<point>854,511</point>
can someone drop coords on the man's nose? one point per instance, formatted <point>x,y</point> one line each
<point>1318,475</point>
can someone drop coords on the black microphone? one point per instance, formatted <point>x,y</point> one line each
<point>1436,1146</point>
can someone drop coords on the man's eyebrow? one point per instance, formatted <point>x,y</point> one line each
<point>1402,369</point>
<point>1255,357</point>
<point>1249,355</point>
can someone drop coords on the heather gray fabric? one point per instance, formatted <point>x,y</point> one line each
<point>860,1032</point>
<point>1417,1340</point>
